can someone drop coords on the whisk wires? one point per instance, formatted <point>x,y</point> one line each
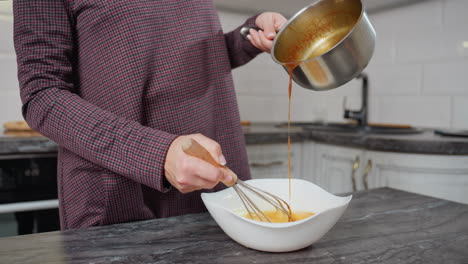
<point>252,208</point>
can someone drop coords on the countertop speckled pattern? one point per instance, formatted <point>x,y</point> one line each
<point>267,133</point>
<point>11,145</point>
<point>379,226</point>
<point>426,142</point>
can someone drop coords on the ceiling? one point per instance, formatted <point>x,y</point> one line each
<point>249,6</point>
<point>290,7</point>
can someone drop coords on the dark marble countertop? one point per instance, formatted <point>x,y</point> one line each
<point>25,143</point>
<point>268,133</point>
<point>426,142</point>
<point>379,226</point>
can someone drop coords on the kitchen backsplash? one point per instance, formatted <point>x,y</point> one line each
<point>418,75</point>
<point>10,104</point>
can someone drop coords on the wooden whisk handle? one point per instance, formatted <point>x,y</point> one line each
<point>194,149</point>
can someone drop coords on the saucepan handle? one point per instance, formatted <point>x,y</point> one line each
<point>245,31</point>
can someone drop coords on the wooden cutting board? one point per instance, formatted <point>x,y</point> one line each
<point>19,129</point>
<point>389,125</point>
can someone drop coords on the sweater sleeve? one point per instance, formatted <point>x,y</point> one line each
<point>46,55</point>
<point>240,50</point>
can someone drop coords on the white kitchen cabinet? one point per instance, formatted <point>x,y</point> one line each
<point>271,160</point>
<point>340,169</point>
<point>440,176</point>
<point>337,169</point>
<point>308,162</point>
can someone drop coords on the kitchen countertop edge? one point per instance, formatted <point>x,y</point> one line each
<point>270,133</point>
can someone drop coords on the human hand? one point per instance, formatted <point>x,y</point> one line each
<point>269,23</point>
<point>187,173</point>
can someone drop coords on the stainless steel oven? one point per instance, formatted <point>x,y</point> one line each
<point>28,188</point>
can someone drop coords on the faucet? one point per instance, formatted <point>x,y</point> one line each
<point>361,115</point>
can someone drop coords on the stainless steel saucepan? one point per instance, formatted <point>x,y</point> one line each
<point>331,40</point>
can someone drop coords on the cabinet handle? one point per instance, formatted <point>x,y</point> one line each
<point>353,172</point>
<point>268,164</point>
<point>366,174</point>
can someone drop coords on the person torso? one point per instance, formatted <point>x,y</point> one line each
<point>165,65</point>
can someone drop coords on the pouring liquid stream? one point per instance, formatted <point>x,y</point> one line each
<point>290,66</point>
<point>278,216</point>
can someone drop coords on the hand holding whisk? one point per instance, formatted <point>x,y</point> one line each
<point>193,148</point>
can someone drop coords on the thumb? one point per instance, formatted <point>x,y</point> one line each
<point>280,21</point>
<point>266,22</point>
<point>211,146</point>
<point>269,29</point>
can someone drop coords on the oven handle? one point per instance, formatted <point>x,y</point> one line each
<point>28,206</point>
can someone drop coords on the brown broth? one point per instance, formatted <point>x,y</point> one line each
<point>290,67</point>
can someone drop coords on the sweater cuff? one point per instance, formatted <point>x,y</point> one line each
<point>250,49</point>
<point>159,143</point>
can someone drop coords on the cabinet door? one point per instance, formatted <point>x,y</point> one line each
<point>308,162</point>
<point>440,176</point>
<point>338,168</point>
<point>271,160</point>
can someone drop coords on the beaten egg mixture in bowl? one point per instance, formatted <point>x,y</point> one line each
<point>315,212</point>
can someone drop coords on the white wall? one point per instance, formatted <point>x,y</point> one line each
<point>10,104</point>
<point>418,75</point>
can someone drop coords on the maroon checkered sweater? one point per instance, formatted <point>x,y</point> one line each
<point>113,83</point>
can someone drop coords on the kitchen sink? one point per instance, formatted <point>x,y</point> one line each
<point>360,123</point>
<point>352,128</point>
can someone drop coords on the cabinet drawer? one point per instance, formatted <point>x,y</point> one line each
<point>271,161</point>
<point>337,168</point>
<point>440,176</point>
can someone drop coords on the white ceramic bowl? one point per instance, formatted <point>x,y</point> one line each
<point>226,209</point>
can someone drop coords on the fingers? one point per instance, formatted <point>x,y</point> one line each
<point>268,27</point>
<point>260,41</point>
<point>270,23</point>
<point>279,21</point>
<point>214,149</point>
<point>266,43</point>
<point>254,38</point>
<point>206,175</point>
<point>196,174</point>
<point>187,173</point>
<point>266,21</point>
<point>192,174</point>
<point>212,146</point>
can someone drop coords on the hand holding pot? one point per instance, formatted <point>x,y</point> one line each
<point>269,23</point>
